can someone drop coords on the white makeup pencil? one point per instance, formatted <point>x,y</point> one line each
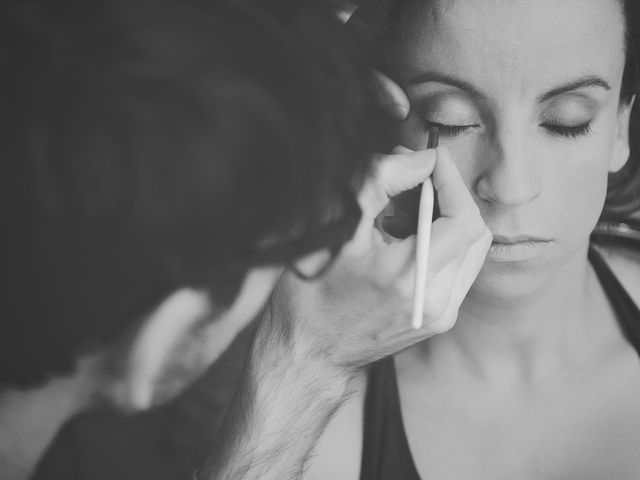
<point>423,240</point>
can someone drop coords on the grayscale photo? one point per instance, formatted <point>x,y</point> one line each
<point>320,240</point>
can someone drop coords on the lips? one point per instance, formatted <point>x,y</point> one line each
<point>517,248</point>
<point>514,239</point>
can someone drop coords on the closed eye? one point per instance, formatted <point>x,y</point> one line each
<point>449,130</point>
<point>569,131</point>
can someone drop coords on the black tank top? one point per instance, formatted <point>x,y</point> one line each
<point>385,450</point>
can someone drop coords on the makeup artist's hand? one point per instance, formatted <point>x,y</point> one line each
<point>360,310</point>
<point>315,335</point>
<point>392,97</point>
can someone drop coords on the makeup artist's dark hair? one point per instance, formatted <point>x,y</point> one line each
<point>153,144</point>
<point>377,24</point>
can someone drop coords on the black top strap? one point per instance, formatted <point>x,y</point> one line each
<point>385,452</point>
<point>625,308</point>
<point>385,449</point>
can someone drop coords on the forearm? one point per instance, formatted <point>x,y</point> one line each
<point>280,411</point>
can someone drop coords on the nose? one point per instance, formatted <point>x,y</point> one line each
<point>508,173</point>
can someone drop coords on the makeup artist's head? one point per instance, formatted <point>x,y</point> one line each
<point>534,99</point>
<point>161,161</point>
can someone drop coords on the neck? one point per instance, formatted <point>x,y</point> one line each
<point>528,338</point>
<point>30,419</point>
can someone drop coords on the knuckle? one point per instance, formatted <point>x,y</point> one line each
<point>474,211</point>
<point>468,230</point>
<point>478,227</point>
<point>474,228</point>
<point>487,236</point>
<point>435,307</point>
<point>442,324</point>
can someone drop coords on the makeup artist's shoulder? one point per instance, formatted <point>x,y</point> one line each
<point>625,263</point>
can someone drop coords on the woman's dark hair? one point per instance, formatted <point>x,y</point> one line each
<point>153,144</point>
<point>623,194</point>
<point>376,23</point>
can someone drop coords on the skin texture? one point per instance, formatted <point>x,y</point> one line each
<point>519,172</point>
<point>536,367</point>
<point>315,338</point>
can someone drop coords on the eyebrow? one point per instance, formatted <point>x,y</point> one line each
<point>583,82</point>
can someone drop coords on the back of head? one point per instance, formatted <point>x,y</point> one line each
<point>149,145</point>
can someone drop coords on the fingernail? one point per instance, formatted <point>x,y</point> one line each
<point>401,111</point>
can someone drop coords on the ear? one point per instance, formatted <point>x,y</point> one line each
<point>149,350</point>
<point>181,338</point>
<point>621,150</point>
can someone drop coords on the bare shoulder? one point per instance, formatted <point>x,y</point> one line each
<point>625,263</point>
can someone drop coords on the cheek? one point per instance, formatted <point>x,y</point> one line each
<point>577,185</point>
<point>576,174</point>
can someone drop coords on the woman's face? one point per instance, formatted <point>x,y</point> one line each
<point>526,94</point>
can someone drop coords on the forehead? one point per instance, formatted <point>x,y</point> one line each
<point>514,42</point>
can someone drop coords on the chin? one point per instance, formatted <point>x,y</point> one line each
<point>517,280</point>
<point>507,282</point>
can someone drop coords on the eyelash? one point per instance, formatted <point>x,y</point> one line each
<point>448,130</point>
<point>573,131</point>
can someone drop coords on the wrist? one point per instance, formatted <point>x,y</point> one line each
<point>284,368</point>
<point>278,350</point>
<point>281,408</point>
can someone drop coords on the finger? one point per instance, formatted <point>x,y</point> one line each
<point>392,97</point>
<point>394,174</point>
<point>460,224</point>
<point>451,238</point>
<point>437,317</point>
<point>438,298</point>
<point>467,270</point>
<point>454,199</point>
<point>399,173</point>
<point>401,149</point>
<point>456,279</point>
<point>470,267</point>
